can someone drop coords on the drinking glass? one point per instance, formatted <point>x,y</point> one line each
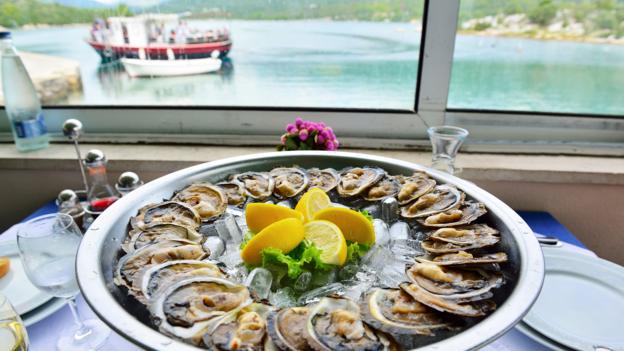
<point>48,246</point>
<point>13,335</point>
<point>445,143</point>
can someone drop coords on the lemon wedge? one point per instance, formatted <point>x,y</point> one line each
<point>284,235</point>
<point>327,237</point>
<point>354,225</point>
<point>311,202</point>
<point>260,215</point>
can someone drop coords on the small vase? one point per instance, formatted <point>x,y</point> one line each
<point>445,143</point>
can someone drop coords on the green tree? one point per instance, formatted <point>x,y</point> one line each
<point>544,13</point>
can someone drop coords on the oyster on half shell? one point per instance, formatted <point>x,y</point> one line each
<point>257,185</point>
<point>387,187</point>
<point>167,212</point>
<point>244,329</point>
<point>189,307</point>
<point>466,309</point>
<point>440,199</point>
<point>287,328</point>
<point>208,200</point>
<point>234,192</point>
<point>354,181</point>
<point>413,187</point>
<point>158,277</point>
<point>325,179</point>
<point>138,238</point>
<point>395,312</point>
<point>289,181</point>
<point>463,258</point>
<point>467,213</point>
<point>447,240</point>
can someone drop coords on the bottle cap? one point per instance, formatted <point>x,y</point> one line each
<point>5,35</point>
<point>94,156</point>
<point>128,180</point>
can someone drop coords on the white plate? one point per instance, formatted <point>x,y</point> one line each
<point>24,296</point>
<point>582,302</point>
<point>539,338</point>
<point>43,311</point>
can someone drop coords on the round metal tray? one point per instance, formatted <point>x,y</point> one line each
<point>98,252</point>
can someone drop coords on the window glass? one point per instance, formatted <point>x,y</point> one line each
<point>562,56</point>
<point>285,53</point>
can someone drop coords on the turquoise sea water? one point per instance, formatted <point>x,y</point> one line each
<point>357,65</point>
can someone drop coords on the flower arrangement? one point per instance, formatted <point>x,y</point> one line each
<point>308,135</point>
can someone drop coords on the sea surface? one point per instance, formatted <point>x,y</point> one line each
<point>355,65</point>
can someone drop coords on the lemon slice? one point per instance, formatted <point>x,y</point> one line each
<point>311,202</point>
<point>327,237</point>
<point>284,235</point>
<point>260,215</point>
<point>354,225</point>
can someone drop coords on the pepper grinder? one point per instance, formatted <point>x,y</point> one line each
<point>72,129</point>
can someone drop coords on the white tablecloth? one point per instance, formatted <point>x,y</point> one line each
<point>43,335</point>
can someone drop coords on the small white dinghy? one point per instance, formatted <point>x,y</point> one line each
<point>173,67</point>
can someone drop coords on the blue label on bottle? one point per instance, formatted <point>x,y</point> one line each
<point>30,128</point>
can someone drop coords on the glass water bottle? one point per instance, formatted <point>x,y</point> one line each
<point>101,194</point>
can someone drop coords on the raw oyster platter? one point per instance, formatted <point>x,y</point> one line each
<point>304,254</point>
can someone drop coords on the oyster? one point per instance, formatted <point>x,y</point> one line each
<point>129,266</point>
<point>467,213</point>
<point>287,328</point>
<point>158,277</point>
<point>244,329</point>
<point>440,199</point>
<point>256,184</point>
<point>167,212</point>
<point>335,324</point>
<point>354,181</point>
<point>187,309</point>
<point>394,311</point>
<point>325,179</point>
<point>388,186</point>
<point>474,236</point>
<point>234,192</point>
<point>463,258</point>
<point>208,200</point>
<point>459,285</point>
<point>413,187</point>
<point>467,309</point>
<point>289,181</point>
<point>138,238</point>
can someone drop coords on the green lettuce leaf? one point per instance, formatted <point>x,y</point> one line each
<point>355,251</point>
<point>248,235</point>
<point>305,255</point>
<point>367,215</point>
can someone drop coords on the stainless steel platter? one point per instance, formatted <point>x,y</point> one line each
<point>98,252</point>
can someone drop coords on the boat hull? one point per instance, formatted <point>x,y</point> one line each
<point>159,51</point>
<point>169,68</point>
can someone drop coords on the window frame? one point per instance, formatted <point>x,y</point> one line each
<point>491,131</point>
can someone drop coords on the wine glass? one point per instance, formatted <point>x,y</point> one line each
<point>445,143</point>
<point>12,331</point>
<point>48,246</point>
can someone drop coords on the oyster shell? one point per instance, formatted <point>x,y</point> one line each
<point>244,329</point>
<point>188,308</point>
<point>335,324</point>
<point>325,179</point>
<point>130,265</point>
<point>440,199</point>
<point>257,185</point>
<point>234,192</point>
<point>447,240</point>
<point>138,238</point>
<point>387,187</point>
<point>167,212</point>
<point>354,181</point>
<point>208,200</point>
<point>158,277</point>
<point>413,187</point>
<point>467,309</point>
<point>289,182</point>
<point>467,213</point>
<point>394,311</point>
<point>463,258</point>
<point>287,328</point>
<point>459,285</point>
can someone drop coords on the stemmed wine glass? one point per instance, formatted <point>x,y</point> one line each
<point>13,335</point>
<point>48,246</point>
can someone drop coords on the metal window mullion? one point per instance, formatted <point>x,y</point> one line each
<point>437,59</point>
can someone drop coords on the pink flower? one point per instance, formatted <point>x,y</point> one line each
<point>330,146</point>
<point>303,134</point>
<point>298,122</point>
<point>283,139</point>
<point>291,128</point>
<point>320,138</point>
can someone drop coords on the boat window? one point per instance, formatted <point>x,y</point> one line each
<point>278,54</point>
<point>539,56</point>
